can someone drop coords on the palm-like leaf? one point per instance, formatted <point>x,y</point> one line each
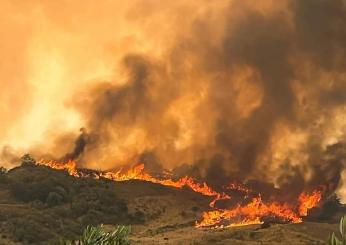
<point>97,236</point>
<point>333,239</point>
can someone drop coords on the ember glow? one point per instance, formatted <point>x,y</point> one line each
<point>238,187</point>
<point>253,212</point>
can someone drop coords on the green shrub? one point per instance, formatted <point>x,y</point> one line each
<point>29,231</point>
<point>59,205</point>
<point>330,208</point>
<point>102,200</point>
<point>29,190</point>
<point>333,239</point>
<point>54,199</point>
<point>27,160</point>
<point>3,177</point>
<point>36,183</point>
<point>97,236</point>
<point>3,171</point>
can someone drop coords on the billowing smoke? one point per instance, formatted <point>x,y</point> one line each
<point>79,146</point>
<point>249,90</point>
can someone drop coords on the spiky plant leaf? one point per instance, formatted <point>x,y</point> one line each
<point>343,227</point>
<point>97,236</point>
<point>333,240</point>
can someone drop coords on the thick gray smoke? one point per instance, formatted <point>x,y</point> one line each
<point>245,90</point>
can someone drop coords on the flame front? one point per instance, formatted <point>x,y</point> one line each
<point>308,201</point>
<point>70,167</point>
<point>138,173</point>
<point>253,212</point>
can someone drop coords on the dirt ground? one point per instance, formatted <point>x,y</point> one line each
<point>294,234</point>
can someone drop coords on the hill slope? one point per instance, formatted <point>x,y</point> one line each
<point>39,205</point>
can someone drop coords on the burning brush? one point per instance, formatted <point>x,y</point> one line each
<point>252,209</point>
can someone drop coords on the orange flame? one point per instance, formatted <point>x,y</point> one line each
<point>70,166</point>
<point>138,173</point>
<point>253,212</point>
<point>256,210</point>
<point>307,202</point>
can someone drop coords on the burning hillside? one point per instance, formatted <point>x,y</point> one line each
<point>260,97</point>
<point>250,210</point>
<point>241,101</point>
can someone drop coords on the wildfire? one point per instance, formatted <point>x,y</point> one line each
<point>138,173</point>
<point>70,167</point>
<point>253,212</point>
<point>308,201</point>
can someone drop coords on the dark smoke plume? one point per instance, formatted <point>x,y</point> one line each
<point>254,94</point>
<point>79,146</point>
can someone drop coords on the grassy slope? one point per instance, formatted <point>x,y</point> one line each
<point>169,215</point>
<point>159,204</point>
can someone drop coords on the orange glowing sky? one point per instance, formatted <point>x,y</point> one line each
<point>54,52</point>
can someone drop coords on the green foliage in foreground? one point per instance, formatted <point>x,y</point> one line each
<point>333,239</point>
<point>46,204</point>
<point>95,235</point>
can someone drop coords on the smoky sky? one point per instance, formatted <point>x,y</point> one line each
<point>245,90</point>
<point>272,47</point>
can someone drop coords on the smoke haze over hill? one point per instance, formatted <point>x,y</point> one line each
<point>235,89</point>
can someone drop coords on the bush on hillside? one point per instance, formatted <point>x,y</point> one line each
<point>54,199</point>
<point>3,171</point>
<point>3,177</point>
<point>31,189</point>
<point>30,231</point>
<point>57,204</point>
<point>27,160</point>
